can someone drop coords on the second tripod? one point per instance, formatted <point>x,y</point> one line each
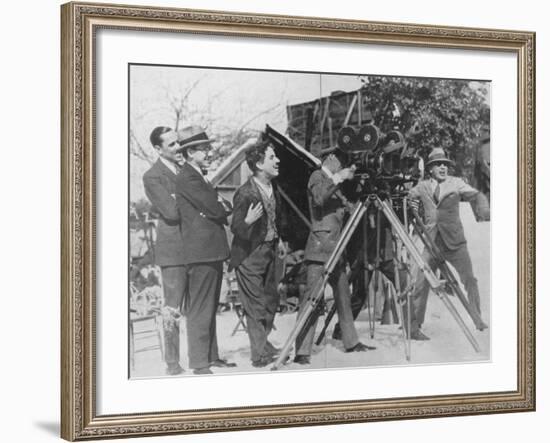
<point>316,295</point>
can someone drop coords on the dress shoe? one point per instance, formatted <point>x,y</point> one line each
<point>174,369</point>
<point>302,359</point>
<point>202,371</point>
<point>419,336</point>
<point>263,361</point>
<point>221,363</point>
<point>337,334</point>
<point>271,350</point>
<point>361,347</point>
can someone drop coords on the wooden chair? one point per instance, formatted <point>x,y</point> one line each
<point>232,297</point>
<point>144,324</point>
<point>145,327</point>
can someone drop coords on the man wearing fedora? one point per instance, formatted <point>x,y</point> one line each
<point>203,216</point>
<point>440,196</point>
<point>160,187</point>
<point>258,226</point>
<point>327,207</point>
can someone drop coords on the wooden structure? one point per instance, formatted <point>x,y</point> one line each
<point>315,124</point>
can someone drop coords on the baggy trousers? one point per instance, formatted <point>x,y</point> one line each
<point>342,297</point>
<point>460,259</point>
<point>259,297</point>
<point>203,294</point>
<point>174,283</point>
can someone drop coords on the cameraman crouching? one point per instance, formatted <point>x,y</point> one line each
<point>327,207</point>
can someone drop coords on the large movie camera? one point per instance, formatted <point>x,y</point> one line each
<point>383,162</point>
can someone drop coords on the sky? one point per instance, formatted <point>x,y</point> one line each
<point>231,96</point>
<point>219,99</point>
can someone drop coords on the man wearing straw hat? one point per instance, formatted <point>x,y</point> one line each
<point>440,196</point>
<point>203,215</point>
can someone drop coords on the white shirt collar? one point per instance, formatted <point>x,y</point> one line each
<point>434,182</point>
<point>268,189</point>
<point>170,165</point>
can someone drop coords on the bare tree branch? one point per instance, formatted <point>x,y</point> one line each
<point>178,102</point>
<point>138,150</point>
<point>255,117</point>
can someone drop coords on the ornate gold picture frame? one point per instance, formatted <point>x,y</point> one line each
<point>80,243</point>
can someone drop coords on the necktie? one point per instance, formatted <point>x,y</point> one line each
<point>436,193</point>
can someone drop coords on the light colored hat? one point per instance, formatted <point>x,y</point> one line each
<point>438,155</point>
<point>193,136</point>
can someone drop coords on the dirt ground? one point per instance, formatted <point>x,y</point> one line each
<point>448,344</point>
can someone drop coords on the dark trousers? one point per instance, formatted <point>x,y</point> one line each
<point>460,259</point>
<point>360,291</point>
<point>174,283</point>
<point>203,294</point>
<point>259,297</point>
<point>342,297</point>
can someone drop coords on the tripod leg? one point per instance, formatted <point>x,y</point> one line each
<point>408,293</point>
<point>376,274</point>
<point>434,283</point>
<point>409,325</point>
<point>400,313</point>
<point>394,307</point>
<point>370,312</point>
<point>447,273</point>
<point>318,292</point>
<point>330,315</point>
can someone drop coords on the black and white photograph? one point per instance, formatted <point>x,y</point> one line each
<point>288,218</point>
<point>300,221</point>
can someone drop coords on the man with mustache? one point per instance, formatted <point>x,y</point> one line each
<point>203,217</point>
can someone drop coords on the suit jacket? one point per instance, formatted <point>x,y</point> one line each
<point>160,187</point>
<point>202,218</point>
<point>327,208</point>
<point>443,217</point>
<point>249,237</point>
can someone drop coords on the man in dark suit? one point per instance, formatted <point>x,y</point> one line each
<point>440,196</point>
<point>327,207</point>
<point>202,217</point>
<point>257,229</point>
<point>160,188</point>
